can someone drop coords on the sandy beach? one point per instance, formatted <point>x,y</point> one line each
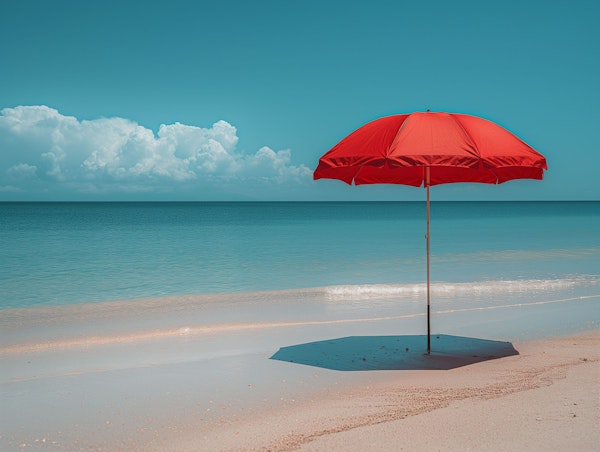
<point>547,398</point>
<point>235,372</point>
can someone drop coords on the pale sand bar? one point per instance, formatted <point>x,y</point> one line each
<point>149,382</point>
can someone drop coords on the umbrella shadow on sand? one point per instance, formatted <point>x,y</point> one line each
<point>395,352</point>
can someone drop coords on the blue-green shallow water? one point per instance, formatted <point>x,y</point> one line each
<point>69,253</point>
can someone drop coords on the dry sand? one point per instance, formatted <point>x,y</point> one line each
<point>546,398</point>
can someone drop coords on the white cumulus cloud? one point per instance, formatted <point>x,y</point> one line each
<point>41,149</point>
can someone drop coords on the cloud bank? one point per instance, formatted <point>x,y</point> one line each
<point>43,151</point>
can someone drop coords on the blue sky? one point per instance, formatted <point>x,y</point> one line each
<point>237,100</point>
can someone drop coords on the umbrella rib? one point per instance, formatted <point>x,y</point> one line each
<point>478,155</point>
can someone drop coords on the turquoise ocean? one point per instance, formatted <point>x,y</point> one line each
<point>74,253</point>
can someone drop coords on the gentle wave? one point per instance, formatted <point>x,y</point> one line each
<point>366,291</point>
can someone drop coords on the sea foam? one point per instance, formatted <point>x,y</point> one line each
<point>497,287</point>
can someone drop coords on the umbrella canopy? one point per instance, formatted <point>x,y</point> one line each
<point>430,148</point>
<point>457,148</point>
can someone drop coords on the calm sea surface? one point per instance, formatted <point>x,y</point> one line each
<point>68,253</point>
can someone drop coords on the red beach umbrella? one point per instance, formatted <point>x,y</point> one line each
<point>431,148</point>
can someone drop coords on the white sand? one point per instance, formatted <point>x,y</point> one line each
<point>180,375</point>
<point>555,406</point>
<point>547,398</point>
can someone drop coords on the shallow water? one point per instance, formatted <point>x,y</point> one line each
<point>72,253</point>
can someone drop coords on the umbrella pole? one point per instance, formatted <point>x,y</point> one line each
<point>428,237</point>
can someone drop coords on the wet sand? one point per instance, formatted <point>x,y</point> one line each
<point>186,376</point>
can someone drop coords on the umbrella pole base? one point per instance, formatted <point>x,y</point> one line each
<point>428,331</point>
<point>428,237</point>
